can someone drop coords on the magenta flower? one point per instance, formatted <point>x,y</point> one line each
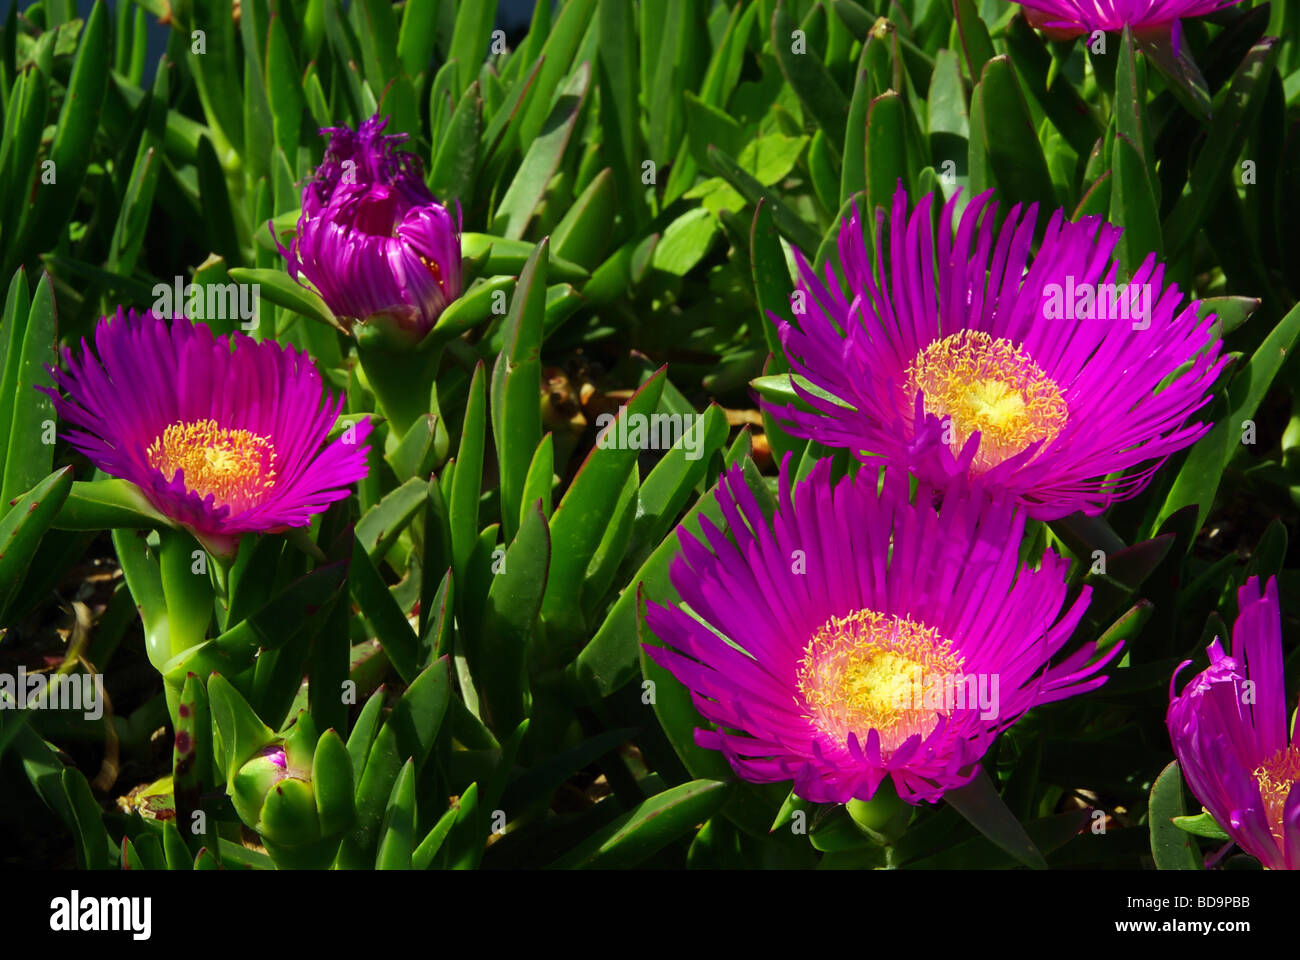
<point>1043,378</point>
<point>372,239</point>
<point>1229,731</point>
<point>858,636</point>
<point>224,436</point>
<point>1069,18</point>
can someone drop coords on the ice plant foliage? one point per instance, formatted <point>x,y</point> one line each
<point>372,239</point>
<point>1067,18</point>
<point>860,635</point>
<point>224,436</point>
<point>965,361</point>
<point>1229,732</point>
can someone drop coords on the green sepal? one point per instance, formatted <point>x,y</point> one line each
<point>289,814</point>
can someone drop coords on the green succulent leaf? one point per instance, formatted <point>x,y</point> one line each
<point>648,827</point>
<point>1171,847</point>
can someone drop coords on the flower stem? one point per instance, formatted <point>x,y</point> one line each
<point>402,377</point>
<point>186,590</point>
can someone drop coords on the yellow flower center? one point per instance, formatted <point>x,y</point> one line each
<point>235,466</point>
<point>869,671</point>
<point>1276,777</point>
<point>990,385</point>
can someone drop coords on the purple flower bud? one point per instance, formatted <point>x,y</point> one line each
<point>372,239</point>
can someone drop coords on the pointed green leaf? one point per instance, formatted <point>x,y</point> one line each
<point>585,511</point>
<point>332,784</point>
<point>242,732</point>
<point>812,83</point>
<point>498,655</point>
<point>397,834</point>
<point>980,803</point>
<point>383,523</point>
<point>466,484</point>
<point>647,828</point>
<point>21,528</point>
<point>517,384</point>
<point>29,457</point>
<point>451,177</point>
<point>279,289</point>
<point>1171,847</point>
<point>542,158</point>
<point>391,626</point>
<point>1015,155</point>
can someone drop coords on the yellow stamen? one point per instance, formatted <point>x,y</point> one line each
<point>990,385</point>
<point>867,671</point>
<point>434,269</point>
<point>1276,777</point>
<point>235,466</point>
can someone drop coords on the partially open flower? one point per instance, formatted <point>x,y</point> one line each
<point>1229,731</point>
<point>859,635</point>
<point>223,435</point>
<point>1045,379</point>
<point>372,239</point>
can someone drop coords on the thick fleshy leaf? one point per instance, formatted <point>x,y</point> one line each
<point>242,732</point>
<point>408,734</point>
<point>383,523</point>
<point>451,177</point>
<point>289,814</point>
<point>1202,825</point>
<point>1133,206</point>
<point>498,655</point>
<point>71,149</point>
<point>28,436</point>
<point>99,504</point>
<point>1069,112</point>
<point>1014,153</point>
<point>772,286</point>
<point>332,784</point>
<point>467,482</point>
<point>279,289</point>
<point>95,849</point>
<point>1236,107</point>
<point>974,35</point>
<point>584,234</point>
<point>787,221</point>
<point>397,834</point>
<point>886,151</point>
<point>809,78</point>
<point>517,384</point>
<point>21,528</point>
<point>302,604</point>
<point>980,803</point>
<point>541,159</point>
<point>586,509</point>
<point>392,630</point>
<point>646,829</point>
<point>1172,848</point>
